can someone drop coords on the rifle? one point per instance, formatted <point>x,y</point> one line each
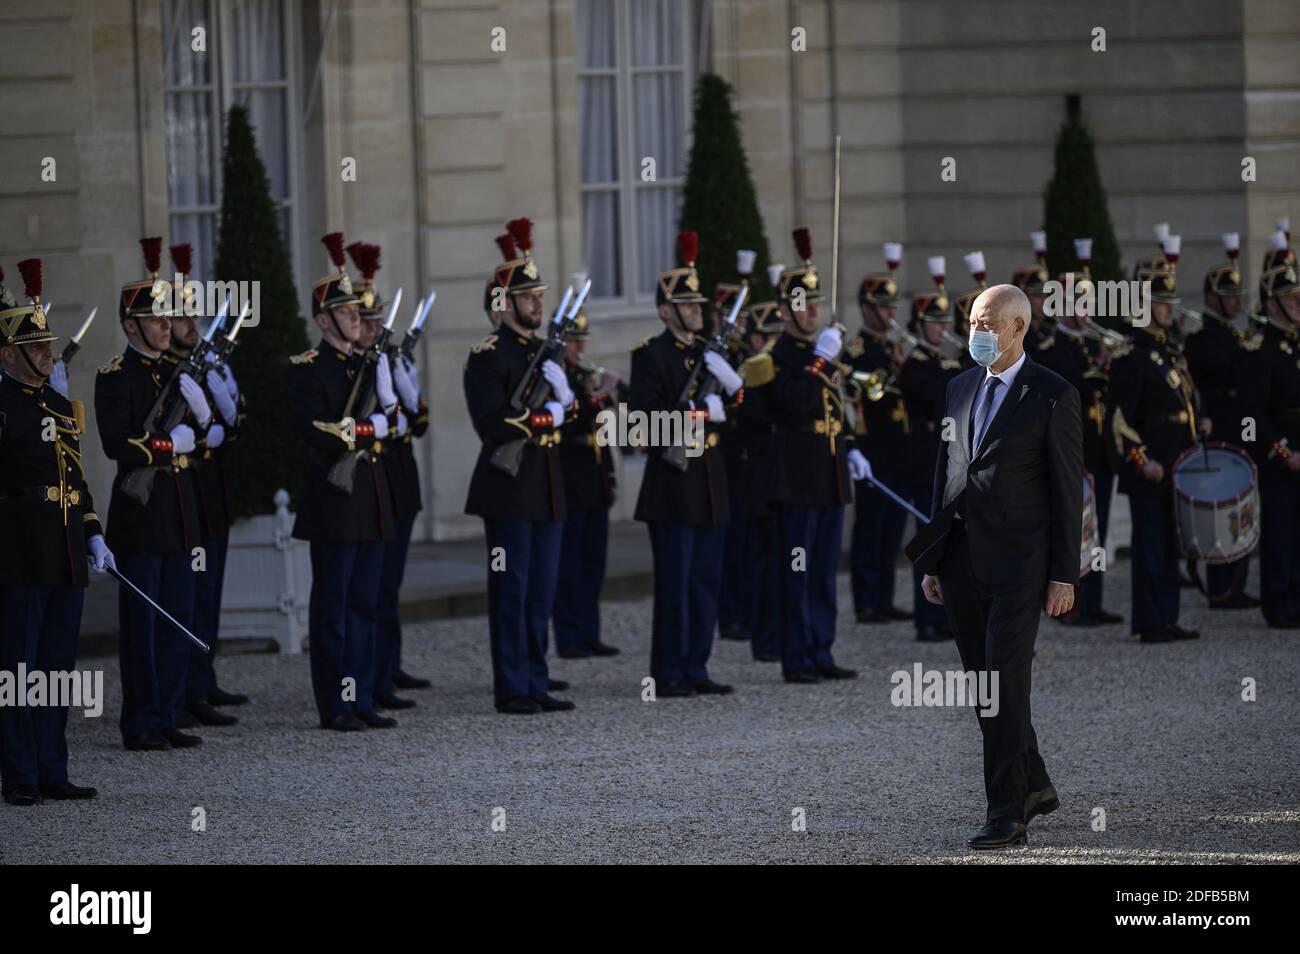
<point>532,391</point>
<point>225,345</point>
<point>169,410</point>
<point>73,346</point>
<point>412,337</point>
<point>700,384</point>
<point>362,401</point>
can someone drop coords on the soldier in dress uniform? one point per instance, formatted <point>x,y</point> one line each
<point>589,490</point>
<point>754,433</point>
<point>346,527</point>
<point>1273,378</point>
<point>154,541</point>
<point>962,304</point>
<point>1214,356</point>
<point>686,511</point>
<point>882,431</point>
<point>398,461</point>
<point>1155,419</point>
<point>735,606</point>
<point>523,513</point>
<point>923,379</point>
<point>1030,279</point>
<point>49,519</point>
<point>813,462</point>
<point>210,494</point>
<point>1076,354</point>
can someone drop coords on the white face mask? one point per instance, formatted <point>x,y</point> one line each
<point>983,347</point>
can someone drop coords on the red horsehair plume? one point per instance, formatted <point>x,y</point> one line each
<point>152,247</point>
<point>30,269</point>
<point>506,243</point>
<point>365,257</point>
<point>334,245</point>
<point>354,253</point>
<point>522,232</point>
<point>182,257</point>
<point>688,246</point>
<point>803,243</point>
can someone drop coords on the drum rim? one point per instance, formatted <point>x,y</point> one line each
<point>1253,488</point>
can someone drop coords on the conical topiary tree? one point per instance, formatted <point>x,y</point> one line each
<point>719,200</point>
<point>251,249</point>
<point>1075,203</point>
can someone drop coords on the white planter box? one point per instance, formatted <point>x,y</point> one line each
<point>268,581</point>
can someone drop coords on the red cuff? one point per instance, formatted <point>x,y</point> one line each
<point>698,414</point>
<point>1280,450</point>
<point>815,367</point>
<point>541,419</point>
<point>738,398</point>
<point>163,444</point>
<point>365,429</point>
<point>1137,457</point>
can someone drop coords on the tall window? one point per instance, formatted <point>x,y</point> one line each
<point>247,62</point>
<point>635,71</point>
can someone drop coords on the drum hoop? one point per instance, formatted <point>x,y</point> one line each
<point>1226,501</point>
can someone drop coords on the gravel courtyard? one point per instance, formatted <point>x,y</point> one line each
<point>1156,736</point>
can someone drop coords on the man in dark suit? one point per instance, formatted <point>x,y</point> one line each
<point>1004,540</point>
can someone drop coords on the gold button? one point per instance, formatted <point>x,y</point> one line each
<point>52,494</point>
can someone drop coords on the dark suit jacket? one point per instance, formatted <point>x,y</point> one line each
<point>1022,494</point>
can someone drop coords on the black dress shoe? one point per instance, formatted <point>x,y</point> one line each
<point>602,649</point>
<point>404,680</point>
<point>374,720</point>
<point>674,690</point>
<point>893,612</point>
<point>150,741</point>
<point>767,657</point>
<point>66,791</point>
<point>805,678</point>
<point>1085,621</point>
<point>1041,802</point>
<point>1000,833</point>
<point>549,703</point>
<point>185,719</point>
<point>734,633</point>
<point>390,700</point>
<point>874,616</point>
<point>1161,634</point>
<point>836,672</point>
<point>1240,601</point>
<point>520,706</point>
<point>1283,622</point>
<point>556,685</point>
<point>1180,633</point>
<point>1107,618</point>
<point>932,634</point>
<point>219,697</point>
<point>181,740</point>
<point>207,714</point>
<point>23,795</point>
<point>710,688</point>
<point>575,652</point>
<point>345,722</point>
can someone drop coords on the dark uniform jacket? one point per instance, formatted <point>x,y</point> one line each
<point>661,366</point>
<point>923,379</point>
<point>1155,414</point>
<point>1273,388</point>
<point>1081,361</point>
<point>46,510</point>
<point>882,425</point>
<point>320,382</point>
<point>808,460</point>
<point>1214,357</point>
<point>210,478</point>
<point>588,467</point>
<point>754,429</point>
<point>493,371</point>
<point>125,392</point>
<point>403,474</point>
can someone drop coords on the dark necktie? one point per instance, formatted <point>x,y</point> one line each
<point>983,414</point>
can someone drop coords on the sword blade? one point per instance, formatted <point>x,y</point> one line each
<point>116,574</point>
<point>898,500</point>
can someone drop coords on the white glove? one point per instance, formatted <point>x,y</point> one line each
<point>221,396</point>
<point>829,343</point>
<point>100,555</point>
<point>724,373</point>
<point>381,425</point>
<point>402,423</point>
<point>216,435</point>
<point>557,411</point>
<point>182,436</point>
<point>559,382</point>
<point>408,387</point>
<point>232,386</point>
<point>192,392</point>
<point>859,466</point>
<point>716,412</point>
<point>59,377</point>
<point>384,383</point>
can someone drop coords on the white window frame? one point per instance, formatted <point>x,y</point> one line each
<point>633,301</point>
<point>225,89</point>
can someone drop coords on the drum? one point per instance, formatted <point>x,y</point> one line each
<point>1216,502</point>
<point>1091,530</point>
